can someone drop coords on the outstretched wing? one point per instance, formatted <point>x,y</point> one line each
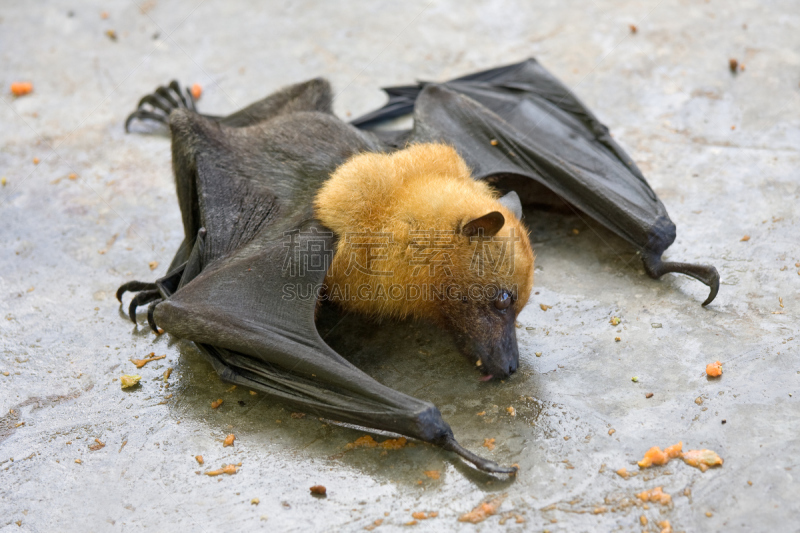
<point>254,259</point>
<point>520,120</point>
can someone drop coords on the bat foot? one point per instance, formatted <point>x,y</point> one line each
<point>146,293</point>
<point>158,105</point>
<point>706,274</point>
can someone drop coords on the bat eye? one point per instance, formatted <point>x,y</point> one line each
<point>503,300</point>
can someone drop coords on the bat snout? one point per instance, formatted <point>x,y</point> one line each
<point>490,344</point>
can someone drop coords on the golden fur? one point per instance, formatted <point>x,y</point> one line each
<point>402,196</point>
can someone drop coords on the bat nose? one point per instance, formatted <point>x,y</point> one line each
<point>512,367</point>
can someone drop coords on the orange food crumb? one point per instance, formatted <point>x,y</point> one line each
<point>702,459</point>
<point>643,520</point>
<point>141,362</point>
<point>368,442</point>
<point>21,88</point>
<point>433,474</point>
<point>227,469</point>
<point>199,459</point>
<point>228,440</point>
<point>420,515</point>
<point>97,445</point>
<point>197,91</point>
<point>104,15</point>
<point>319,490</point>
<point>654,456</point>
<point>375,524</point>
<point>483,511</point>
<point>599,510</point>
<point>545,307</point>
<point>623,473</point>
<point>655,495</point>
<point>714,369</point>
<point>216,403</point>
<point>665,526</point>
<point>745,238</point>
<point>488,444</point>
<point>411,523</point>
<point>153,265</point>
<point>35,160</point>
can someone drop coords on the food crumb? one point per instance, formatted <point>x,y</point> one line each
<point>97,445</point>
<point>494,142</point>
<point>216,403</point>
<point>615,320</point>
<point>197,91</point>
<point>635,379</point>
<point>745,238</point>
<point>199,459</point>
<point>422,515</point>
<point>21,88</point>
<point>623,473</point>
<point>612,431</point>
<point>152,357</point>
<point>488,444</point>
<point>648,395</point>
<point>3,181</point>
<point>709,514</point>
<point>298,415</point>
<point>111,35</point>
<point>654,456</point>
<point>702,459</point>
<point>433,474</point>
<point>699,400</point>
<point>643,520</point>
<point>733,64</point>
<point>599,510</point>
<point>255,501</point>
<point>633,28</point>
<point>655,495</point>
<point>483,511</point>
<point>511,411</point>
<point>228,440</point>
<point>319,490</point>
<point>35,160</point>
<point>411,523</point>
<point>375,524</point>
<point>665,526</point>
<point>538,354</point>
<point>750,483</point>
<point>368,442</point>
<point>72,176</point>
<point>128,380</point>
<point>227,469</point>
<point>544,307</point>
<point>78,461</point>
<point>167,373</point>
<point>482,413</point>
<point>153,265</point>
<point>714,369</point>
<point>104,15</point>
<point>617,339</point>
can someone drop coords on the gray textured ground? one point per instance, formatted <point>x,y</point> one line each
<point>668,97</point>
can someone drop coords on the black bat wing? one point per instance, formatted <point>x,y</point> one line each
<point>519,120</point>
<point>243,284</point>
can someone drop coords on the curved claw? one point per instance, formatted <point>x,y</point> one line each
<point>156,102</point>
<point>150,315</point>
<point>142,298</point>
<point>706,274</point>
<point>450,444</point>
<point>134,286</point>
<point>143,114</point>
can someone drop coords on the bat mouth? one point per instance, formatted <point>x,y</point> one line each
<point>486,377</point>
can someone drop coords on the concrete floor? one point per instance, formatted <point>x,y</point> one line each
<point>720,150</point>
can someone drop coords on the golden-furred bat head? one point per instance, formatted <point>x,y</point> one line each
<point>419,237</point>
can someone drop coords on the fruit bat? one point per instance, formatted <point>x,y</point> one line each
<point>246,184</point>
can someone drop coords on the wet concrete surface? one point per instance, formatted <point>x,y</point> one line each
<point>719,149</point>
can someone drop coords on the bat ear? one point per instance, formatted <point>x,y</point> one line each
<point>488,224</point>
<point>512,203</point>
